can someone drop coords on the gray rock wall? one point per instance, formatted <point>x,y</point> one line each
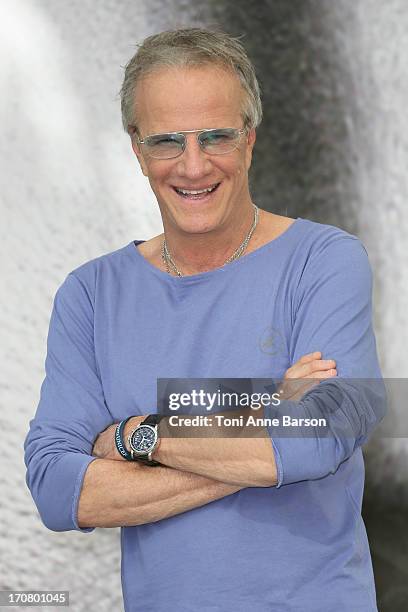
<point>333,147</point>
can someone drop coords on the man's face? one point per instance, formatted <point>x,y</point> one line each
<point>181,99</point>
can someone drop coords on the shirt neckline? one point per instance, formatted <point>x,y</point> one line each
<point>210,273</point>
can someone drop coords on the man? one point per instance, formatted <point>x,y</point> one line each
<point>283,530</point>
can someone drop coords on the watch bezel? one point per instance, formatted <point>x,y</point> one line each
<point>148,452</point>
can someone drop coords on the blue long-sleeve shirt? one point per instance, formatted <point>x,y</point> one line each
<point>119,323</point>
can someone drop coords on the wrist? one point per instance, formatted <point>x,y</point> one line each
<point>129,427</point>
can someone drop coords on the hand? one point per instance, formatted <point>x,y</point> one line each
<point>104,445</point>
<point>305,374</point>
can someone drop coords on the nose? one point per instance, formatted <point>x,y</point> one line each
<point>193,163</point>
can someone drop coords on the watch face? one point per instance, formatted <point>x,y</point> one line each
<point>143,439</point>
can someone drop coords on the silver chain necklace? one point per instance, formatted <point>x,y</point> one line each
<point>170,264</point>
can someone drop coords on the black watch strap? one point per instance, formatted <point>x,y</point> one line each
<point>152,420</point>
<point>146,461</point>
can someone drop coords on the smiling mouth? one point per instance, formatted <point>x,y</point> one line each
<point>196,194</point>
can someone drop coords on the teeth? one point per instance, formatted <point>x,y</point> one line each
<point>195,192</point>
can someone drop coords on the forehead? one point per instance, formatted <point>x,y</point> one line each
<point>177,99</point>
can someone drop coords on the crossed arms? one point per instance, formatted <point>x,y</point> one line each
<point>74,489</point>
<point>197,471</point>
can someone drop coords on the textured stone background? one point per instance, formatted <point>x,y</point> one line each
<point>333,147</point>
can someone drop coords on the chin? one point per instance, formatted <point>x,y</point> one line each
<point>197,227</point>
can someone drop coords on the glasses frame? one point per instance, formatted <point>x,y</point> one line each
<point>198,132</point>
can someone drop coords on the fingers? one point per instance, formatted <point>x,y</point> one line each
<point>311,368</point>
<point>309,357</point>
<point>323,374</point>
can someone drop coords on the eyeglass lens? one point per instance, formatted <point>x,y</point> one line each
<point>214,142</point>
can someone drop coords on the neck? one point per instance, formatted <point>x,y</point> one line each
<point>204,251</point>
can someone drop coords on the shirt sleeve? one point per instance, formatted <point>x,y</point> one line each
<point>71,412</point>
<point>332,314</point>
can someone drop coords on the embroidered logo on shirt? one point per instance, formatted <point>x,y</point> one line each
<point>271,341</point>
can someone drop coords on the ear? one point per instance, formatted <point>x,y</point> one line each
<point>250,142</point>
<point>138,152</point>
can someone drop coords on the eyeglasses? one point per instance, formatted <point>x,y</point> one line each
<point>214,142</point>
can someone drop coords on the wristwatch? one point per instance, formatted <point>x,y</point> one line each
<point>145,439</point>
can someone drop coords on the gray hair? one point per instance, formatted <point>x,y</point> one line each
<point>191,47</point>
